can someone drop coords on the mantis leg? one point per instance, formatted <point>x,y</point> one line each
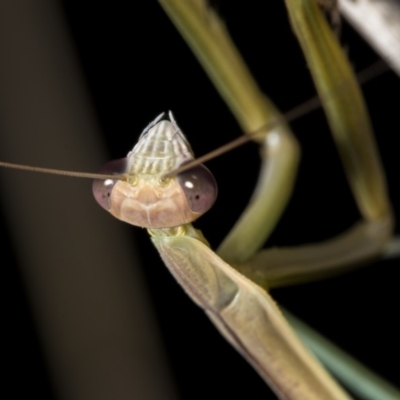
<point>352,132</point>
<point>211,43</point>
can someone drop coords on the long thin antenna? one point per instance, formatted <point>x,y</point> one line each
<point>52,171</point>
<point>312,104</point>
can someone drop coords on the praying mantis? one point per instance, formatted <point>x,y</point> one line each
<point>206,126</point>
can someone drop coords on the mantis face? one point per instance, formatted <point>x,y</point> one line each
<point>149,198</point>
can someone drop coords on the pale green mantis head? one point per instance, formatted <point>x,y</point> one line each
<point>148,198</point>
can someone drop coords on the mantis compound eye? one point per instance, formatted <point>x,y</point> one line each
<point>200,188</point>
<point>102,188</point>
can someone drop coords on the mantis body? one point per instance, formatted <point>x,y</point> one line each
<point>242,311</point>
<point>186,124</point>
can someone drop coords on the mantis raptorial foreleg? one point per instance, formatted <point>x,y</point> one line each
<point>349,120</point>
<point>352,132</point>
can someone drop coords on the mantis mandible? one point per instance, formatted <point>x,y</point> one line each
<point>186,124</point>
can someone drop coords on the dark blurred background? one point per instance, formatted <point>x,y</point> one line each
<point>135,65</point>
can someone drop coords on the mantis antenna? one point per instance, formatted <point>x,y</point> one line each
<point>73,174</point>
<point>312,104</point>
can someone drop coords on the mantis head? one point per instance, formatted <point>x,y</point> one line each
<point>152,196</point>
